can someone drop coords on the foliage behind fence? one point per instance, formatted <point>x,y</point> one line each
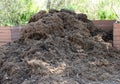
<point>17,12</point>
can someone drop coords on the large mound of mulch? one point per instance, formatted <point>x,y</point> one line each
<point>59,47</point>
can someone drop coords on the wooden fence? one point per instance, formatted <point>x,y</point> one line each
<point>8,34</point>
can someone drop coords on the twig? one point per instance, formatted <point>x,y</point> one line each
<point>115,11</point>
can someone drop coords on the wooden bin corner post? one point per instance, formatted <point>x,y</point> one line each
<point>116,35</point>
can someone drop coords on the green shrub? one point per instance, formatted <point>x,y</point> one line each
<point>15,12</point>
<point>95,9</point>
<point>18,12</point>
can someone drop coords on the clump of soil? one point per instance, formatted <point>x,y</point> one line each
<point>59,47</point>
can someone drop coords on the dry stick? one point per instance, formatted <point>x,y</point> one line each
<point>115,12</point>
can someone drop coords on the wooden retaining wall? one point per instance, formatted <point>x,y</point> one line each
<point>105,25</point>
<point>8,34</point>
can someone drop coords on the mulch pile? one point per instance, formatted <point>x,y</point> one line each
<point>60,47</point>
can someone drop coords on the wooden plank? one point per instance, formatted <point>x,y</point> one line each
<point>106,25</point>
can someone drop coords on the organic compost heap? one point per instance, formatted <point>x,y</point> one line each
<point>60,47</point>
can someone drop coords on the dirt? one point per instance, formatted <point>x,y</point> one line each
<point>60,47</point>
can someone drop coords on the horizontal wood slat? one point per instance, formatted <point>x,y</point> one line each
<point>117,46</point>
<point>8,34</point>
<point>116,38</point>
<point>117,42</point>
<point>105,25</point>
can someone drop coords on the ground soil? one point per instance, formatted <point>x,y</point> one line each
<point>60,47</point>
